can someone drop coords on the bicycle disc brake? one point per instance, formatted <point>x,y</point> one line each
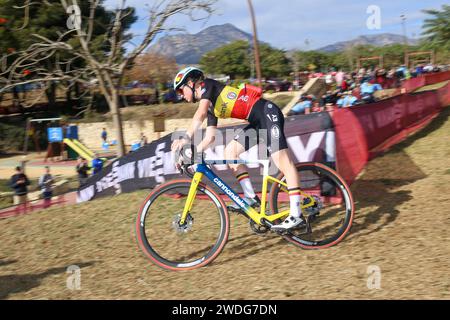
<point>186,227</point>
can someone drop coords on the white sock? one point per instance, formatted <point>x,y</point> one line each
<point>295,197</point>
<point>246,184</point>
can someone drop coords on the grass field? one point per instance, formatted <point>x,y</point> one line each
<point>402,227</point>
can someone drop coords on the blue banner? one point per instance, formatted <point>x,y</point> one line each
<point>55,135</point>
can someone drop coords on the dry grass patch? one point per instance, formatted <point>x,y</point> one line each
<point>401,226</point>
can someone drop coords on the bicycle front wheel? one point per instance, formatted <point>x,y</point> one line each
<point>178,247</point>
<point>329,219</point>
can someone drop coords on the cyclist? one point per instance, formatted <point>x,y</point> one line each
<point>219,101</point>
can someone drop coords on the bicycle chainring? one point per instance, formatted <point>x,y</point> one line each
<point>258,229</point>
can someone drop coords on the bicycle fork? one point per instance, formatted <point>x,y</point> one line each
<point>196,180</point>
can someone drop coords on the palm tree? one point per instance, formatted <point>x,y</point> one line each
<point>437,28</point>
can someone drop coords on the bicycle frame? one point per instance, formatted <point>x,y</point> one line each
<point>202,170</point>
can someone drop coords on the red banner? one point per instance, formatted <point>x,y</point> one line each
<point>437,77</point>
<point>444,95</point>
<point>363,132</point>
<point>414,84</point>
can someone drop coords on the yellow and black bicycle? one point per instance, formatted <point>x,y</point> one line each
<point>184,224</point>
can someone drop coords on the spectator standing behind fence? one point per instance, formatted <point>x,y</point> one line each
<point>302,105</point>
<point>82,170</point>
<point>104,135</point>
<point>46,184</point>
<point>368,90</point>
<point>97,165</point>
<point>340,77</point>
<point>347,100</point>
<point>144,140</point>
<point>19,182</point>
<point>329,98</point>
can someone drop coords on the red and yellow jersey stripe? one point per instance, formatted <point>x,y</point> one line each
<point>235,103</point>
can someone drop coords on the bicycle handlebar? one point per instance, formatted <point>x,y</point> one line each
<point>187,156</point>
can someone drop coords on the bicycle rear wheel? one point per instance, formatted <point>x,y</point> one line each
<point>330,219</point>
<point>182,247</point>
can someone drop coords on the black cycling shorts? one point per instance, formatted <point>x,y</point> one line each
<point>266,127</point>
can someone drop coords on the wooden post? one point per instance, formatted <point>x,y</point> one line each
<point>159,125</point>
<point>255,44</point>
<point>27,133</point>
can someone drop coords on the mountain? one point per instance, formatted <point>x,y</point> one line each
<point>189,48</point>
<point>378,40</point>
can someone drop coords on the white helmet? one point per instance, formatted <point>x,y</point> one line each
<point>186,73</point>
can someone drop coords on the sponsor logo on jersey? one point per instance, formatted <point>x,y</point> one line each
<point>244,98</point>
<point>276,132</point>
<point>272,117</point>
<point>232,96</point>
<point>223,110</point>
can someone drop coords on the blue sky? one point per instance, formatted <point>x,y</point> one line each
<point>287,24</point>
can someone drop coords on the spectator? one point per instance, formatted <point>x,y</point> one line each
<point>104,135</point>
<point>381,77</point>
<point>46,184</point>
<point>347,100</point>
<point>97,165</point>
<point>428,68</point>
<point>302,105</point>
<point>19,183</point>
<point>329,79</point>
<point>82,170</point>
<point>368,90</point>
<point>144,140</point>
<point>403,73</point>
<point>340,78</point>
<point>329,98</point>
<point>419,70</point>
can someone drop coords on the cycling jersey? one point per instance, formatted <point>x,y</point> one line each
<point>228,102</point>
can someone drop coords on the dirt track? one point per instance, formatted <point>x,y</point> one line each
<point>402,226</point>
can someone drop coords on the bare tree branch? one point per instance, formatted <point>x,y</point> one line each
<point>47,61</point>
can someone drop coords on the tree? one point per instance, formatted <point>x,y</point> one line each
<point>235,60</point>
<point>437,28</point>
<point>51,59</point>
<point>314,60</point>
<point>48,20</point>
<point>153,68</point>
<point>274,62</point>
<point>232,59</point>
